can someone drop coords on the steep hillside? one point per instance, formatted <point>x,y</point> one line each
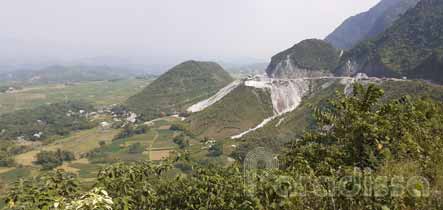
<point>179,88</point>
<point>412,47</point>
<point>310,57</point>
<point>241,109</point>
<point>369,24</point>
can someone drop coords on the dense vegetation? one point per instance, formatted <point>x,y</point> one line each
<point>359,142</point>
<point>412,47</point>
<point>369,24</point>
<point>131,130</point>
<point>311,54</point>
<point>45,121</point>
<point>51,159</point>
<point>179,88</point>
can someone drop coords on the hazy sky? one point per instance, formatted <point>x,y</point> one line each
<point>165,29</point>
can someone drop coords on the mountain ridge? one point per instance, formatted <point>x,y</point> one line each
<point>369,24</point>
<point>412,47</point>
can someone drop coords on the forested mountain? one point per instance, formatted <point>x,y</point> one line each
<point>179,88</point>
<point>308,58</point>
<point>369,24</point>
<point>412,47</point>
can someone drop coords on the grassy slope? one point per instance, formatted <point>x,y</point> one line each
<point>243,108</point>
<point>179,88</point>
<point>100,93</point>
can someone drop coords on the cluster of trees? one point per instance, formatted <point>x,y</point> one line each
<point>131,130</point>
<point>182,141</point>
<point>180,126</point>
<point>216,149</point>
<point>52,159</point>
<point>357,139</point>
<point>136,148</point>
<point>45,121</point>
<point>8,150</point>
<point>6,160</point>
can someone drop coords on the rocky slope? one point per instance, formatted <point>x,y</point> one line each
<point>412,47</point>
<point>308,58</point>
<point>178,89</point>
<point>369,24</point>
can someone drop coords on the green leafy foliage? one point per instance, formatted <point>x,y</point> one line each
<point>43,191</point>
<point>136,148</point>
<point>96,199</point>
<point>362,132</point>
<point>51,159</point>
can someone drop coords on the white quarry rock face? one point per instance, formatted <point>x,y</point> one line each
<point>212,100</point>
<point>286,96</point>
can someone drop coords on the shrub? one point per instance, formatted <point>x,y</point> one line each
<point>182,141</point>
<point>131,130</point>
<point>50,159</point>
<point>6,160</point>
<point>136,148</point>
<point>216,149</point>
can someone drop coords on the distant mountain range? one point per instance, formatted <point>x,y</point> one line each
<point>369,24</point>
<point>63,74</point>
